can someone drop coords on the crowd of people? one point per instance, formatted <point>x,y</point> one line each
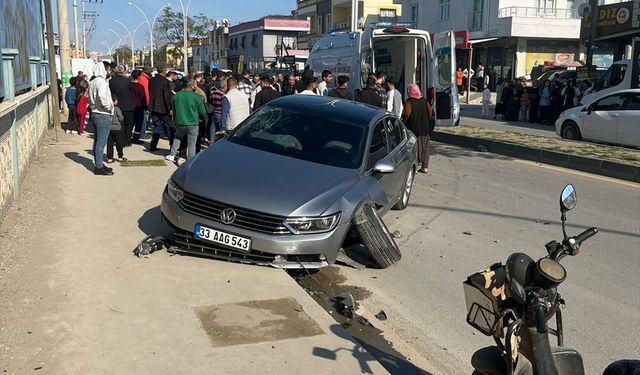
<point>542,102</point>
<point>195,110</point>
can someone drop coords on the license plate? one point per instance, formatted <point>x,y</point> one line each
<point>227,239</point>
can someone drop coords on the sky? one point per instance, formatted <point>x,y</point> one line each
<point>236,11</point>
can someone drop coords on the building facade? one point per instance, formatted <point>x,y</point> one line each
<point>264,44</point>
<point>219,45</point>
<point>335,15</point>
<point>509,37</point>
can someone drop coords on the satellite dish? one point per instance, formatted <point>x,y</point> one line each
<point>225,22</point>
<point>582,8</point>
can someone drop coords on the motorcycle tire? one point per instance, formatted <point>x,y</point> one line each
<point>376,238</point>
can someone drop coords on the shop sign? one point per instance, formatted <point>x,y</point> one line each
<point>586,72</point>
<point>611,19</point>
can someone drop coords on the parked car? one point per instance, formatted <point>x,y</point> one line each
<point>614,118</point>
<point>288,184</point>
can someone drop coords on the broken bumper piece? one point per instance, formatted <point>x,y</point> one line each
<point>186,244</point>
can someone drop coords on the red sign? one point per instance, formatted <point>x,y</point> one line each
<point>462,38</point>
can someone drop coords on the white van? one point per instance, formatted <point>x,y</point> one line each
<point>405,55</point>
<point>617,77</point>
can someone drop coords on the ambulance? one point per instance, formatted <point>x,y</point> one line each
<point>406,55</point>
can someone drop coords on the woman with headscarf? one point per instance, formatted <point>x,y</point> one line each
<point>416,115</point>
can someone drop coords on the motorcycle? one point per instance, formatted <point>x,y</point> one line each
<point>514,303</point>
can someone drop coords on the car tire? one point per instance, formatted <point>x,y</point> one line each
<point>403,202</point>
<point>376,238</point>
<point>570,131</point>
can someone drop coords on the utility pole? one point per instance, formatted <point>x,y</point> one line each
<point>84,33</point>
<point>53,91</point>
<point>76,43</point>
<point>65,45</point>
<point>354,15</point>
<point>593,14</point>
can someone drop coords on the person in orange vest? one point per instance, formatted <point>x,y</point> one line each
<point>459,75</point>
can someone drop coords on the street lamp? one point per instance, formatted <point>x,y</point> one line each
<point>184,34</point>
<point>150,24</point>
<point>119,43</point>
<point>133,34</point>
<point>108,47</point>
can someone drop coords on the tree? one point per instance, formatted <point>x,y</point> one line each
<point>122,55</point>
<point>169,29</point>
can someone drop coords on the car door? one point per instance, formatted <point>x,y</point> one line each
<point>378,150</point>
<point>398,154</point>
<point>601,120</point>
<point>447,106</point>
<point>628,132</point>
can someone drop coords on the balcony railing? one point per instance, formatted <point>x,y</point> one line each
<point>532,12</point>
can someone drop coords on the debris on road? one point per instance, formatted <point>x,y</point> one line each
<point>397,234</point>
<point>468,233</point>
<point>148,245</point>
<point>481,148</point>
<point>345,304</point>
<point>381,315</point>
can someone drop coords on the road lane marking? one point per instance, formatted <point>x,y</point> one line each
<point>578,173</point>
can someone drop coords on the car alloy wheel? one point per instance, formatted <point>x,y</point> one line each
<point>571,131</point>
<point>406,193</point>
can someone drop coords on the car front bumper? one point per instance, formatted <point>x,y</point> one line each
<point>288,251</point>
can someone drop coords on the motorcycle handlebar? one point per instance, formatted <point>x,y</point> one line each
<point>541,318</point>
<point>585,235</point>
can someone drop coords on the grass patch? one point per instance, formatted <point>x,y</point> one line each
<point>144,163</point>
<point>586,149</point>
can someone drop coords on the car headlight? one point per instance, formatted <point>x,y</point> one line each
<point>309,225</point>
<point>175,191</point>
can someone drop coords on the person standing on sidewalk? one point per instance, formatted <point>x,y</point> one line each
<point>235,106</point>
<point>480,77</point>
<point>266,94</point>
<point>139,98</point>
<point>116,134</point>
<point>545,102</point>
<point>101,111</point>
<point>394,102</point>
<point>341,90</point>
<point>459,76</point>
<point>82,104</point>
<point>498,109</point>
<point>160,96</point>
<point>327,77</point>
<point>217,94</point>
<point>416,115</point>
<point>486,100</point>
<point>524,105</point>
<point>121,87</point>
<point>70,99</point>
<point>534,101</point>
<point>188,105</point>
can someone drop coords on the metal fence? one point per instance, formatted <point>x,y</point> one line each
<point>533,12</point>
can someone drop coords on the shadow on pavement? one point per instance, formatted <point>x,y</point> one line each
<point>457,152</point>
<point>82,160</point>
<point>523,218</point>
<point>392,363</point>
<point>151,223</point>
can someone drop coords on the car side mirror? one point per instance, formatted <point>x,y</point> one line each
<point>383,166</point>
<point>589,109</point>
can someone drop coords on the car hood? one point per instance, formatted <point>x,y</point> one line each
<point>253,179</point>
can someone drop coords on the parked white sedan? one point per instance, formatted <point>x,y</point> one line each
<point>614,118</point>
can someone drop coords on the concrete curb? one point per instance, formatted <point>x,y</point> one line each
<point>602,167</point>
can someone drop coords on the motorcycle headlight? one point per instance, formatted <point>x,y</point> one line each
<point>309,225</point>
<point>175,191</point>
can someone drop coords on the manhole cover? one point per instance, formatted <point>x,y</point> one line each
<point>256,321</point>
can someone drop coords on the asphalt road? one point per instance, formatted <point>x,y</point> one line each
<point>506,205</point>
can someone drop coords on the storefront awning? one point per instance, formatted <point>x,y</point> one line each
<point>472,41</point>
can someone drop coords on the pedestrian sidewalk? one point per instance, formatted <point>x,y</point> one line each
<point>471,115</point>
<point>74,300</point>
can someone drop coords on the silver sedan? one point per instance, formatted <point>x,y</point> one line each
<point>287,185</point>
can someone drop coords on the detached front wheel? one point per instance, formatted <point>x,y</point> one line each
<point>376,238</point>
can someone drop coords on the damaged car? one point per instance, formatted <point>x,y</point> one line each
<point>287,186</point>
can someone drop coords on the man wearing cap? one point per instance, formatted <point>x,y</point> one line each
<point>121,87</point>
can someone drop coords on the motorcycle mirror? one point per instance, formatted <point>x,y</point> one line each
<point>568,198</point>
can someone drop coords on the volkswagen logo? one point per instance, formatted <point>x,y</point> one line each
<point>228,216</point>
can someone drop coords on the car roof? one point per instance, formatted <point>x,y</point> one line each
<point>346,110</point>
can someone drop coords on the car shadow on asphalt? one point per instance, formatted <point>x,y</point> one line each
<point>82,160</point>
<point>152,225</point>
<point>392,363</point>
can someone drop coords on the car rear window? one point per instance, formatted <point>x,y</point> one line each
<point>296,133</point>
